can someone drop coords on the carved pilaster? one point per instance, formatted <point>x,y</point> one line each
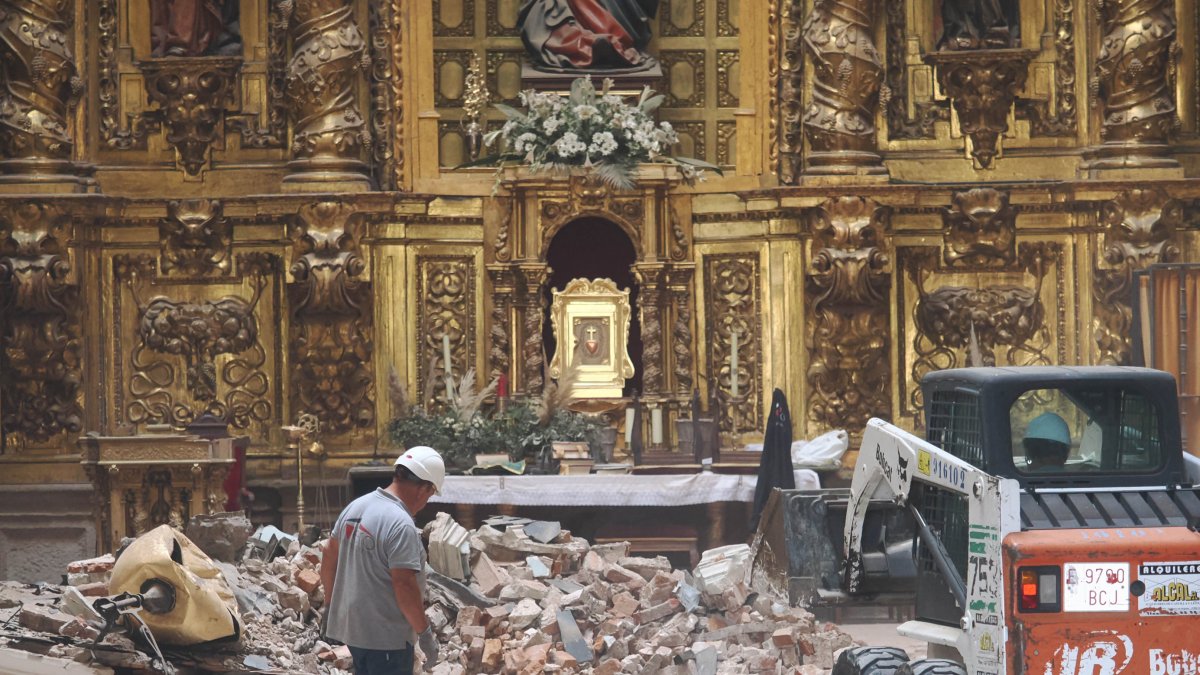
<point>446,292</point>
<point>38,85</point>
<point>791,95</point>
<point>1133,81</point>
<point>500,330</point>
<point>848,300</point>
<point>1139,230</point>
<point>982,85</point>
<point>326,69</point>
<point>680,299</point>
<point>332,318</point>
<point>531,306</point>
<point>733,298</point>
<point>839,123</point>
<point>192,95</point>
<point>195,239</point>
<point>39,323</point>
<point>651,300</point>
<point>980,228</point>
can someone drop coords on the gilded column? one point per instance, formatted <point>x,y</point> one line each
<point>328,60</point>
<point>848,372</point>
<point>531,305</point>
<point>500,330</point>
<point>839,123</point>
<point>680,299</point>
<point>39,83</point>
<point>1140,227</point>
<point>1133,82</point>
<point>650,306</point>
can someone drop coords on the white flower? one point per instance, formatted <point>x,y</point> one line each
<point>551,125</point>
<point>585,111</point>
<point>569,145</point>
<point>525,140</point>
<point>603,144</point>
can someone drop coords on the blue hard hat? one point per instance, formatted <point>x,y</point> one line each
<point>1051,427</point>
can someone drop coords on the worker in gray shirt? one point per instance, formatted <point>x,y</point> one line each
<point>373,571</point>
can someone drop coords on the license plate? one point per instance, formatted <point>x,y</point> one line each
<point>1096,587</point>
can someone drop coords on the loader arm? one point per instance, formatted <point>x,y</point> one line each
<point>890,460</point>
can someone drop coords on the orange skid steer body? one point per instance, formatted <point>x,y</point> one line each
<point>1104,601</point>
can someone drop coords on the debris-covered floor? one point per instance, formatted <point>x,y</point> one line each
<point>514,596</point>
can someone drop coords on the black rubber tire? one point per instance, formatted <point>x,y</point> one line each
<point>870,661</point>
<point>932,667</point>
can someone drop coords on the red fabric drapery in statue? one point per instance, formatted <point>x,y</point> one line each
<point>587,34</point>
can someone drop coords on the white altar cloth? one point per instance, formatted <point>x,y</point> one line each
<point>603,490</point>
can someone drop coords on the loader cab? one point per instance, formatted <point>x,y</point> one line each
<point>1048,428</point>
<point>1059,427</point>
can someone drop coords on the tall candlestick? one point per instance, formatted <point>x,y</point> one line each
<point>629,422</point>
<point>733,363</point>
<point>502,386</point>
<point>656,425</point>
<point>449,369</point>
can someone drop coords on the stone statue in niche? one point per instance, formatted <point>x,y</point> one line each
<point>980,24</point>
<point>195,28</point>
<point>588,35</point>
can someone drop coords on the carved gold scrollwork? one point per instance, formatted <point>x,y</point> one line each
<point>39,322</point>
<point>499,352</point>
<point>274,133</point>
<point>332,319</point>
<point>839,123</point>
<point>328,58</point>
<point>1133,82</point>
<point>385,79</point>
<point>195,238</point>
<point>953,320</point>
<point>980,228</point>
<point>982,85</point>
<point>848,286</point>
<point>895,95</point>
<point>503,248</point>
<point>1064,120</point>
<point>233,388</point>
<point>446,292</point>
<point>589,196</point>
<point>650,307</point>
<point>733,295</point>
<point>531,306</point>
<point>38,85</point>
<point>791,94</point>
<point>681,298</point>
<point>1140,226</point>
<point>192,94</point>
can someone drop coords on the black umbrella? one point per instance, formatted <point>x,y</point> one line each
<point>775,467</point>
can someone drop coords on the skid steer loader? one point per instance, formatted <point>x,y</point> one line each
<point>1051,516</point>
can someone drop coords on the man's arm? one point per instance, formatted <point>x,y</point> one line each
<point>329,560</point>
<point>408,597</point>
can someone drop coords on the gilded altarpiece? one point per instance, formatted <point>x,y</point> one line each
<point>184,346</point>
<point>447,313</point>
<point>733,303</point>
<point>697,43</point>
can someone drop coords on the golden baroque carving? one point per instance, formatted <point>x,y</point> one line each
<point>650,301</point>
<point>332,319</point>
<point>386,81</point>
<point>499,350</point>
<point>1063,121</point>
<point>199,332</point>
<point>848,300</point>
<point>531,305</point>
<point>39,84</point>
<point>588,196</point>
<point>681,297</point>
<point>894,95</point>
<point>847,73</point>
<point>192,94</point>
<point>1133,81</point>
<point>982,85</point>
<point>446,292</point>
<point>195,239</point>
<point>328,59</point>
<point>114,134</point>
<point>950,318</point>
<point>733,292</point>
<point>1139,230</point>
<point>503,248</point>
<point>39,322</point>
<point>980,228</point>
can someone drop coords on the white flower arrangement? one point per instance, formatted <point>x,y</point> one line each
<point>598,131</point>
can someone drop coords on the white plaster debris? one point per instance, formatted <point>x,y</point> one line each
<point>529,607</point>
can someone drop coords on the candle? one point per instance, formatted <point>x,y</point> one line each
<point>449,370</point>
<point>502,386</point>
<point>629,417</point>
<point>733,363</point>
<point>656,425</point>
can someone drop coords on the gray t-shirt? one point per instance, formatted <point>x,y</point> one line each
<point>375,534</point>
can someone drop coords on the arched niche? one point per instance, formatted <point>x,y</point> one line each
<point>594,247</point>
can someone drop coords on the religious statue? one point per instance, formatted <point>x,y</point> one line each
<point>194,28</point>
<point>980,24</point>
<point>588,35</point>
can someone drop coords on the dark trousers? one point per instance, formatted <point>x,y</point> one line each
<point>382,662</point>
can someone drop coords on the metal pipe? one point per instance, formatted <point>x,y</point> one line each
<point>940,558</point>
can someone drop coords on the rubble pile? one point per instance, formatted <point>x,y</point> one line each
<point>514,596</point>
